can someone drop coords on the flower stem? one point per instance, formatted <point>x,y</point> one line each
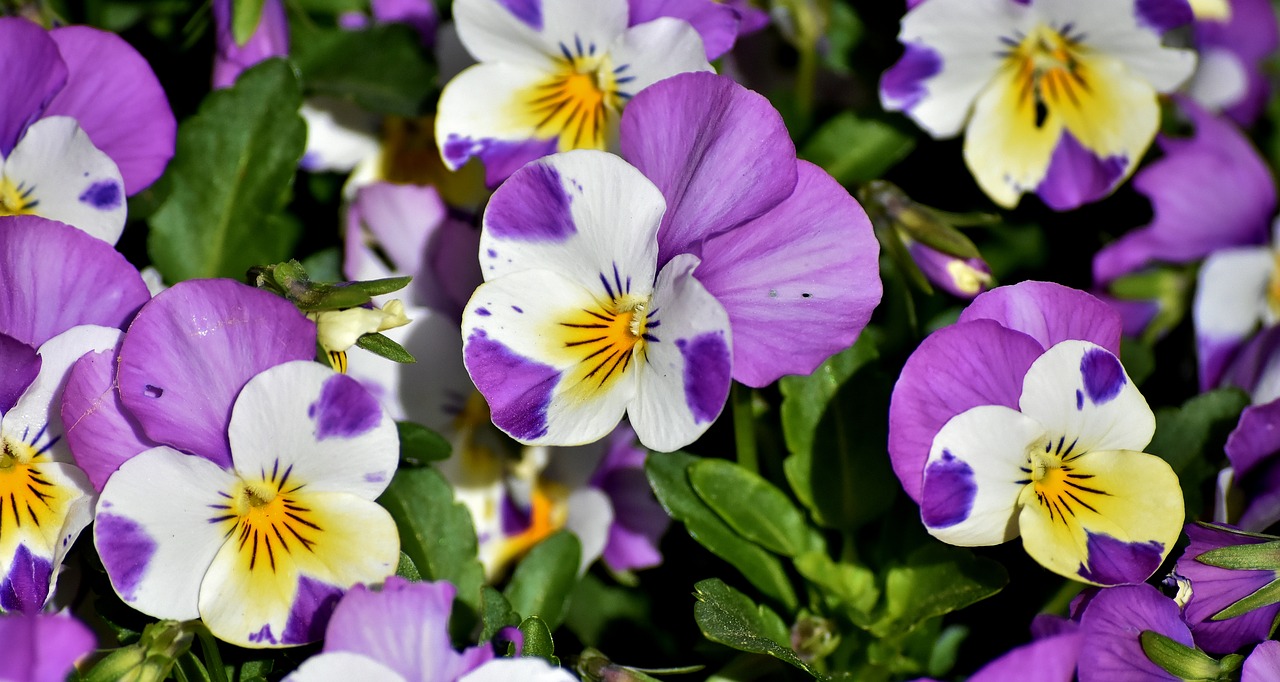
<point>744,427</point>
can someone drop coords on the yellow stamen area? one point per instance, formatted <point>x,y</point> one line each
<point>967,278</point>
<point>606,340</point>
<point>576,103</point>
<point>547,515</point>
<point>267,522</point>
<point>31,501</point>
<point>1050,73</point>
<point>1273,288</point>
<point>16,199</point>
<point>1211,10</point>
<point>1059,489</point>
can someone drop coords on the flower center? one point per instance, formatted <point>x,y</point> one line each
<point>16,199</point>
<point>607,337</point>
<point>1049,69</point>
<point>577,102</point>
<point>28,495</point>
<point>267,520</point>
<point>1058,486</point>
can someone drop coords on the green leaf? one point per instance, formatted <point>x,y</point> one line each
<point>729,617</point>
<point>383,68</point>
<point>245,17</point>
<point>435,532</point>
<point>420,445</point>
<point>668,476</point>
<point>855,150</point>
<point>753,507</point>
<point>537,640</point>
<point>379,287</point>
<point>1178,659</point>
<point>1264,596</point>
<point>805,398</point>
<point>1183,433</point>
<point>495,613</point>
<point>596,606</point>
<point>380,344</point>
<point>1255,556</point>
<point>407,569</point>
<point>230,179</point>
<point>542,582</point>
<point>935,580</point>
<point>848,587</point>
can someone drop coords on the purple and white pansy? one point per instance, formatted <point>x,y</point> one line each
<point>1234,39</point>
<point>554,75</point>
<point>1015,422</point>
<point>1055,97</point>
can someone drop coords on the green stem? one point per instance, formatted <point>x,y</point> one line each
<point>806,84</point>
<point>1061,600</point>
<point>744,427</point>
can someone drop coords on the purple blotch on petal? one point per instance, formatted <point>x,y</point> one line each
<point>518,389</point>
<point>500,158</point>
<point>26,587</point>
<point>1116,562</point>
<point>949,491</point>
<point>902,86</point>
<point>483,312</point>
<point>707,369</point>
<point>19,366</point>
<point>345,409</point>
<point>532,206</point>
<point>263,635</point>
<point>1164,15</point>
<point>514,520</point>
<point>312,607</point>
<point>528,11</point>
<point>126,550</point>
<point>1077,176</point>
<point>104,195</point>
<point>1103,376</point>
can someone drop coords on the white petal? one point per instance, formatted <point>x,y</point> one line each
<point>1220,81</point>
<point>688,360</point>
<point>72,181</point>
<point>492,32</point>
<point>590,516</point>
<point>343,666</point>
<point>1231,293</point>
<point>483,112</point>
<point>656,50</point>
<point>340,134</point>
<point>1081,394</point>
<point>522,669</point>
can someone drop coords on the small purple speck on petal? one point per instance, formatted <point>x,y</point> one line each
<point>152,391</point>
<point>483,312</point>
<point>707,370</point>
<point>26,587</point>
<point>104,195</point>
<point>312,606</point>
<point>344,409</point>
<point>1115,562</point>
<point>376,477</point>
<point>517,308</point>
<point>1079,400</point>
<point>126,550</point>
<point>532,206</point>
<point>949,491</point>
<point>517,388</point>
<point>492,253</point>
<point>1103,375</point>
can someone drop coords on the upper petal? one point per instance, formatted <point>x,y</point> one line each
<point>36,74</point>
<point>531,31</point>
<point>1049,313</point>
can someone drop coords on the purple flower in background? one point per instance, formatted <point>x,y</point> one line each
<point>420,15</point>
<point>1110,626</point>
<point>1253,446</point>
<point>718,22</point>
<point>1234,38</point>
<point>42,648</point>
<point>1214,589</point>
<point>960,277</point>
<point>269,39</point>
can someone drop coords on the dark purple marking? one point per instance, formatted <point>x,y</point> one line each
<point>26,587</point>
<point>903,84</point>
<point>492,253</point>
<point>518,309</point>
<point>531,206</point>
<point>1076,176</point>
<point>126,551</point>
<point>263,635</point>
<point>517,388</point>
<point>1103,375</point>
<point>707,369</point>
<point>1164,15</point>
<point>483,312</point>
<point>376,477</point>
<point>513,519</point>
<point>949,491</point>
<point>312,607</point>
<point>345,409</point>
<point>103,195</point>
<point>500,158</point>
<point>1115,562</point>
<point>1079,400</point>
<point>528,11</point>
<point>19,367</point>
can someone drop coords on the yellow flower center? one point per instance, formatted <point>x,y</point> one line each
<point>1050,72</point>
<point>266,520</point>
<point>16,199</point>
<point>28,495</point>
<point>1058,487</point>
<point>606,338</point>
<point>579,100</point>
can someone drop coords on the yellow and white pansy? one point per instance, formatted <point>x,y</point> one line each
<point>1055,97</point>
<point>261,550</point>
<point>554,75</point>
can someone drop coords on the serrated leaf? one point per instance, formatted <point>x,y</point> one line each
<point>543,580</point>
<point>537,640</point>
<point>854,149</point>
<point>435,532</point>
<point>668,477</point>
<point>245,17</point>
<point>230,179</point>
<point>380,344</point>
<point>753,507</point>
<point>729,617</point>
<point>495,613</point>
<point>383,68</point>
<point>935,580</point>
<point>420,445</point>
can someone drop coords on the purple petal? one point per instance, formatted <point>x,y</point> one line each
<point>405,626</point>
<point>719,153</point>
<point>717,23</point>
<point>1263,665</point>
<point>1251,368</point>
<point>1111,626</point>
<point>118,101</point>
<point>55,277</point>
<point>902,86</point>
<point>1164,15</point>
<point>19,365</point>
<point>312,607</point>
<point>42,648</point>
<point>26,587</point>
<point>34,73</point>
<point>501,158</point>
<point>1076,176</point>
<point>954,369</point>
<point>960,277</point>
<point>534,207</point>
<point>1049,313</point>
<point>101,433</point>
<point>707,363</point>
<point>1052,659</point>
<point>1256,437</point>
<point>270,39</point>
<point>639,522</point>
<point>1209,192</point>
<point>1116,562</point>
<point>1214,589</point>
<point>518,389</point>
<point>420,15</point>
<point>191,350</point>
<point>126,550</point>
<point>1251,33</point>
<point>799,283</point>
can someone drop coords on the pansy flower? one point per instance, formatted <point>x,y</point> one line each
<point>1056,97</point>
<point>270,38</point>
<point>1016,421</point>
<point>554,75</point>
<point>718,22</point>
<point>42,648</point>
<point>1234,39</point>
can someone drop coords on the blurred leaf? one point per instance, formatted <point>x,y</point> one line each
<point>1190,437</point>
<point>844,32</point>
<point>753,507</point>
<point>1138,358</point>
<point>855,150</point>
<point>245,17</point>
<point>596,606</point>
<point>495,613</point>
<point>935,580</point>
<point>542,582</point>
<point>324,265</point>
<point>435,531</point>
<point>230,179</point>
<point>537,640</point>
<point>383,68</point>
<point>420,445</point>
<point>729,617</point>
<point>668,476</point>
